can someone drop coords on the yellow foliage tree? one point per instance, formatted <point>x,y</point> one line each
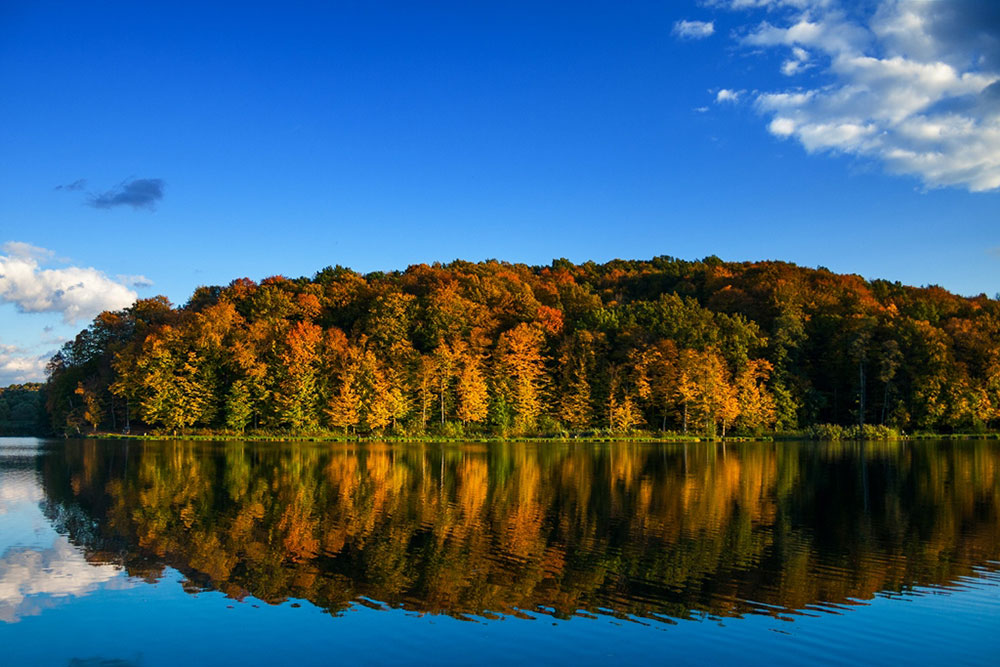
<point>471,390</point>
<point>756,405</point>
<point>520,372</point>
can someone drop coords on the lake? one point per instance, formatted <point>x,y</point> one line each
<point>150,553</point>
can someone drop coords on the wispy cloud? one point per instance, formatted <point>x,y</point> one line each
<point>76,293</point>
<point>694,29</point>
<point>138,193</point>
<point>799,62</point>
<point>914,86</point>
<point>138,281</point>
<point>78,184</point>
<point>22,249</point>
<point>726,95</point>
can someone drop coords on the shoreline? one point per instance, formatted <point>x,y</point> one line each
<point>669,439</point>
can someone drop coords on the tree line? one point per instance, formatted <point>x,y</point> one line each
<point>22,410</point>
<point>665,345</point>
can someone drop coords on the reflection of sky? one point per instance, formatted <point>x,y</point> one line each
<point>37,565</point>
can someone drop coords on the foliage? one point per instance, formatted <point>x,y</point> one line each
<point>701,348</point>
<point>22,410</point>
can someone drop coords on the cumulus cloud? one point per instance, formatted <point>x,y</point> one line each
<point>138,193</point>
<point>74,292</point>
<point>694,29</point>
<point>19,365</point>
<point>726,95</point>
<point>797,63</point>
<point>912,85</point>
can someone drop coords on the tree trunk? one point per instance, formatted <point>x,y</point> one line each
<point>861,406</point>
<point>885,401</point>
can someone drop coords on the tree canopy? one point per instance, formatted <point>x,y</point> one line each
<point>705,347</point>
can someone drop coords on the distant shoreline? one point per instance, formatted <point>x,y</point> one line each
<point>639,439</point>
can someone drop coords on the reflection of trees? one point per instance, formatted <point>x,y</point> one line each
<point>643,530</point>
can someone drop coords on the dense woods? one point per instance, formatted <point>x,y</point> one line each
<point>704,347</point>
<point>22,410</point>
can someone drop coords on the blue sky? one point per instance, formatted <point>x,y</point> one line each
<point>150,148</point>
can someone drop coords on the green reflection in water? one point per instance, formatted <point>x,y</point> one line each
<point>659,531</point>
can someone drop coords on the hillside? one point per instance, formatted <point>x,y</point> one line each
<point>705,347</point>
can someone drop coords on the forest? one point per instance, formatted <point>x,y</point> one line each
<point>662,346</point>
<point>22,410</point>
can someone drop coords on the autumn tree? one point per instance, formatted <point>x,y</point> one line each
<point>755,403</point>
<point>295,391</point>
<point>174,385</point>
<point>91,409</point>
<point>520,373</point>
<point>577,358</point>
<point>470,387</point>
<point>658,370</point>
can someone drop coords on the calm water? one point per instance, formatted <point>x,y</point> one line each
<point>169,552</point>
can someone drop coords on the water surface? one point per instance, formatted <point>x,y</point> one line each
<point>163,552</point>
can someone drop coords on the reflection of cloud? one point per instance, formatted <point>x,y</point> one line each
<point>59,571</point>
<point>18,489</point>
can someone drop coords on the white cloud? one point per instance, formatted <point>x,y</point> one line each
<point>138,281</point>
<point>912,85</point>
<point>18,365</point>
<point>782,126</point>
<point>74,292</point>
<point>22,249</point>
<point>726,95</point>
<point>760,4</point>
<point>694,29</point>
<point>797,63</point>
